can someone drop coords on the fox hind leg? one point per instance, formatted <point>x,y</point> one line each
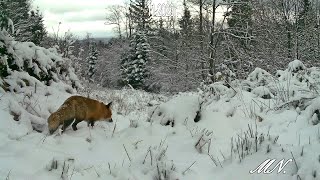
<point>91,123</point>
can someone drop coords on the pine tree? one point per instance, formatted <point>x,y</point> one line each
<point>133,65</point>
<point>92,60</point>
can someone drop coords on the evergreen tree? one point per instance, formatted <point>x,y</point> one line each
<point>133,65</point>
<point>92,60</point>
<point>140,14</point>
<point>18,12</point>
<point>186,22</point>
<point>3,16</point>
<point>306,41</point>
<point>28,24</point>
<point>3,48</point>
<point>239,19</point>
<point>38,31</point>
<point>304,14</point>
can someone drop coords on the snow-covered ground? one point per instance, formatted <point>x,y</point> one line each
<point>217,133</point>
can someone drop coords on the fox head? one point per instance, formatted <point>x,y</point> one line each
<point>53,124</point>
<point>107,113</point>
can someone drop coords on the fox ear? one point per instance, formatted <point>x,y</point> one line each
<point>109,104</point>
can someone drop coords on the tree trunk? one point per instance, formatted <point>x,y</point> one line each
<point>289,42</point>
<point>201,39</point>
<point>211,60</point>
<point>130,21</point>
<point>296,33</point>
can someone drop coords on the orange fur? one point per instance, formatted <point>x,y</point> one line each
<point>79,108</point>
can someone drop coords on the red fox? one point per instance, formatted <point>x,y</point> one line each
<point>79,108</point>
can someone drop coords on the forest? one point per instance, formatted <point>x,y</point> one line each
<point>170,51</point>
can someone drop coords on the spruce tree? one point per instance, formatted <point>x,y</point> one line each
<point>134,63</point>
<point>38,30</point>
<point>239,19</point>
<point>185,22</point>
<point>3,49</point>
<point>306,30</point>
<point>3,17</point>
<point>19,13</point>
<point>28,24</point>
<point>133,67</point>
<point>304,14</point>
<point>92,60</point>
<point>140,15</point>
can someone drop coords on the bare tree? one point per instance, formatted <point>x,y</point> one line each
<point>116,16</point>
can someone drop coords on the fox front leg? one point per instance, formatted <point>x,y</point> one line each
<point>66,124</point>
<point>74,125</point>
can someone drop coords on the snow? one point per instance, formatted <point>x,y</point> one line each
<point>170,112</point>
<point>140,144</point>
<point>262,92</point>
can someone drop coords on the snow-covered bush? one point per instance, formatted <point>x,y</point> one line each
<point>313,111</point>
<point>295,83</point>
<point>46,65</point>
<point>5,56</point>
<point>215,91</point>
<point>295,66</point>
<point>259,77</point>
<point>225,75</point>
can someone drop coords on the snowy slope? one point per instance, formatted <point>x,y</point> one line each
<point>142,143</point>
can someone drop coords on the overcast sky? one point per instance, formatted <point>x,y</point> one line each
<point>82,16</point>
